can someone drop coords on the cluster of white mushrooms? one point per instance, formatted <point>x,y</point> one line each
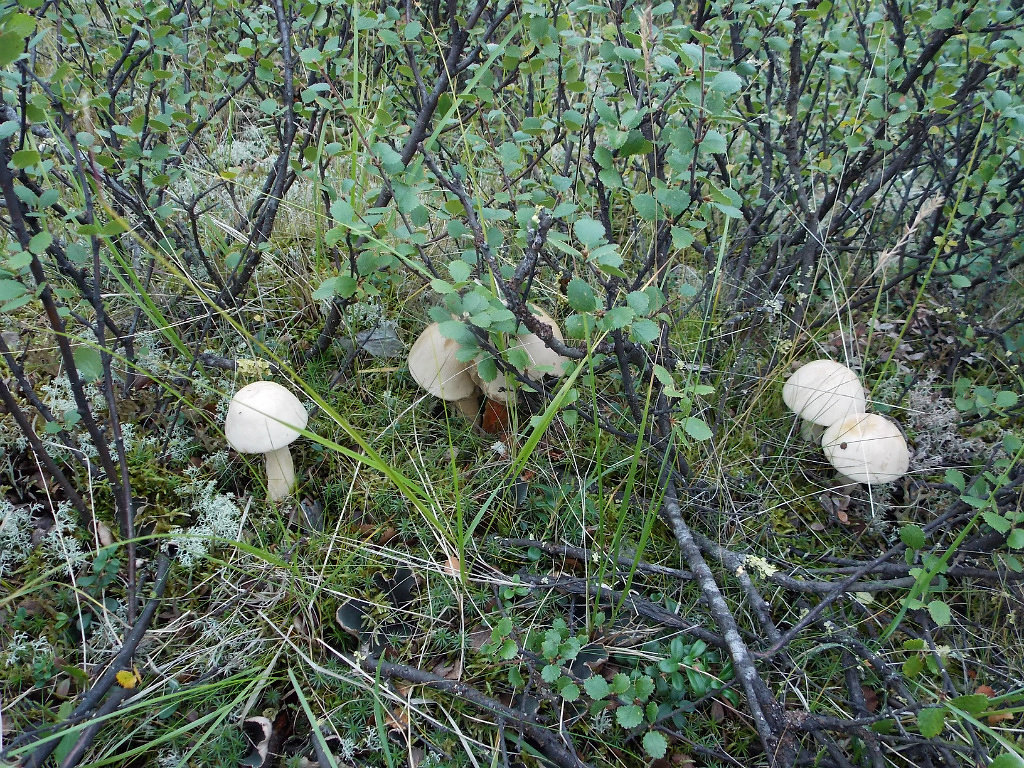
<point>863,447</point>
<point>434,364</point>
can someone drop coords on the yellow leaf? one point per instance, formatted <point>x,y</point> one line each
<point>126,679</point>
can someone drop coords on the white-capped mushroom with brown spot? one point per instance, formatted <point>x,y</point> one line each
<point>435,367</point>
<point>266,418</point>
<point>824,392</point>
<point>867,448</point>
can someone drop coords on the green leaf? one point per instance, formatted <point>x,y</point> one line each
<point>697,428</point>
<point>570,692</point>
<point>342,285</point>
<point>646,206</point>
<point>913,536</point>
<point>88,363</point>
<point>999,523</point>
<point>40,242</point>
<point>550,673</point>
<point>459,270</point>
<point>620,683</point>
<point>616,318</point>
<point>960,281</point>
<point>20,24</point>
<point>644,331</point>
<point>25,157</point>
<point>974,703</point>
<point>713,143</point>
<point>629,716</point>
<point>1006,399</point>
<point>644,687</point>
<point>1016,539</point>
<point>11,46</point>
<point>884,726</point>
<point>596,687</point>
<point>508,650</point>
<point>939,612</point>
<point>1007,760</point>
<point>655,744</point>
<point>726,82</point>
<point>11,289</point>
<point>486,368</point>
<point>588,231</point>
<point>912,667</point>
<point>581,296</point>
<point>930,721</point>
<point>942,19</point>
<point>635,144</point>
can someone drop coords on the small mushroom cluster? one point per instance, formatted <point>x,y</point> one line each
<point>863,447</point>
<point>434,364</point>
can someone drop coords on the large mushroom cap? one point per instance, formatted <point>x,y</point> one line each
<point>433,365</point>
<point>263,417</point>
<point>867,448</point>
<point>824,392</point>
<point>542,359</point>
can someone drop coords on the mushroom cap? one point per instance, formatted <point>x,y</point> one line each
<point>262,417</point>
<point>495,389</point>
<point>824,392</point>
<point>542,359</point>
<point>433,365</point>
<point>867,448</point>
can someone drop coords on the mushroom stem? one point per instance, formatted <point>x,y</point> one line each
<point>469,407</point>
<point>280,473</point>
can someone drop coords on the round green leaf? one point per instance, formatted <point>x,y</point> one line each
<point>581,296</point>
<point>939,612</point>
<point>629,716</point>
<point>588,231</point>
<point>655,745</point>
<point>697,428</point>
<point>88,363</point>
<point>726,82</point>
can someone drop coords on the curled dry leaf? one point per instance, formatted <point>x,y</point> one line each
<point>451,671</point>
<point>870,699</point>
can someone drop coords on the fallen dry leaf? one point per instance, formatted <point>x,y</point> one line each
<point>870,699</point>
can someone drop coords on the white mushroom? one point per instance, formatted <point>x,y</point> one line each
<point>542,359</point>
<point>434,366</point>
<point>495,389</point>
<point>824,392</point>
<point>266,418</point>
<point>867,448</point>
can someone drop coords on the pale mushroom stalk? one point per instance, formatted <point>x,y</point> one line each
<point>280,473</point>
<point>469,407</point>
